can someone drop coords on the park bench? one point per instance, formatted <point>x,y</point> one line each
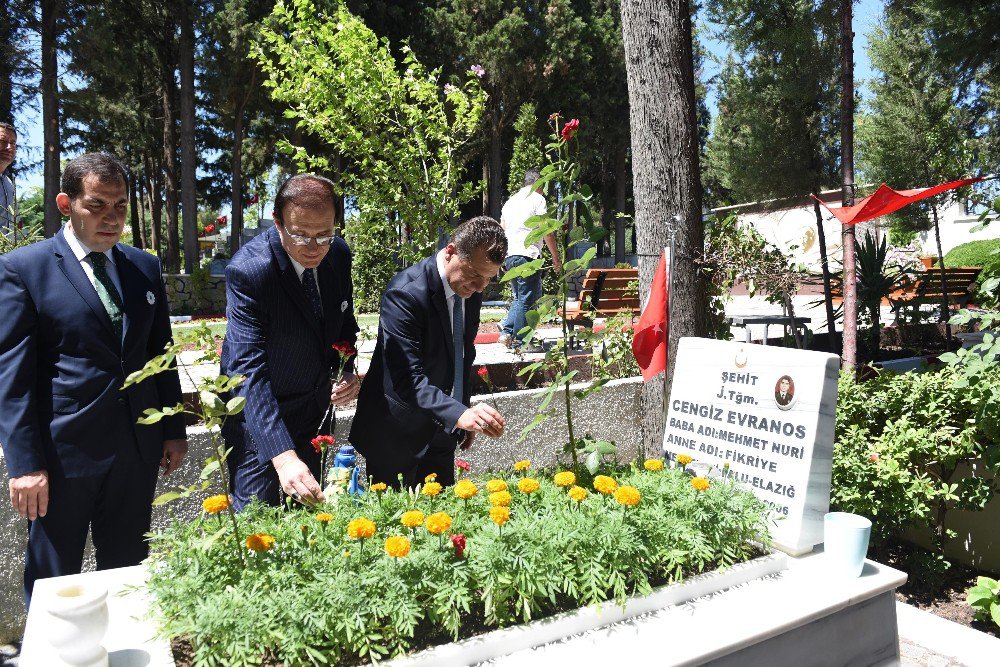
<point>926,288</point>
<point>605,293</point>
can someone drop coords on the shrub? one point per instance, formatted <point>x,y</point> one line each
<point>973,253</point>
<point>900,440</point>
<point>315,595</point>
<point>374,262</point>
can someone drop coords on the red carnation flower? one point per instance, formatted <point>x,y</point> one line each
<point>569,129</point>
<point>345,348</point>
<point>459,542</point>
<point>321,442</point>
<point>483,372</point>
<point>463,464</point>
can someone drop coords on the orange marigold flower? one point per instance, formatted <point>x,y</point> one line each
<point>361,528</point>
<point>578,493</point>
<point>260,542</point>
<point>431,477</point>
<point>499,515</point>
<point>528,485</point>
<point>653,464</point>
<point>465,489</point>
<point>378,487</point>
<point>684,459</point>
<point>215,504</point>
<point>438,523</point>
<point>431,489</point>
<point>495,485</point>
<point>500,499</point>
<point>627,495</point>
<point>604,484</point>
<point>324,517</point>
<point>700,483</point>
<point>522,465</point>
<point>564,478</point>
<point>397,546</point>
<point>412,519</point>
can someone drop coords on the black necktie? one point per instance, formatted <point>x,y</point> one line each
<point>106,290</point>
<point>312,292</point>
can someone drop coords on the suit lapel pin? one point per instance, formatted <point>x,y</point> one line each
<point>343,306</point>
<point>151,298</point>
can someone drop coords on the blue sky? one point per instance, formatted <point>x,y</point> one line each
<point>866,16</point>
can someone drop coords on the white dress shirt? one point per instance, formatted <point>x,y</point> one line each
<point>299,270</point>
<point>81,251</point>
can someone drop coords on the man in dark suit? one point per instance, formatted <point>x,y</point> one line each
<point>289,298</point>
<point>80,312</point>
<point>413,408</point>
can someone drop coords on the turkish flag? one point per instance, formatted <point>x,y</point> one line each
<point>650,342</point>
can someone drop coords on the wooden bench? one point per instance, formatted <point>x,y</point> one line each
<point>605,293</point>
<point>926,288</point>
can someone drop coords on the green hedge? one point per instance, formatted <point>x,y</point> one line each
<point>973,253</point>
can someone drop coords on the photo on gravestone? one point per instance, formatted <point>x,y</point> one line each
<point>763,416</point>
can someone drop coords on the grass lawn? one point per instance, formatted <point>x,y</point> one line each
<point>184,331</point>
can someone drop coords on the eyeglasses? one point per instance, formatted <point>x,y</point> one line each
<point>305,240</point>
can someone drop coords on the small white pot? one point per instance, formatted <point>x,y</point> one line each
<point>79,620</point>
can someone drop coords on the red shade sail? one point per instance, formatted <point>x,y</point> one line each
<point>885,200</point>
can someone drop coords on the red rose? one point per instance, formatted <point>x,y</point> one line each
<point>459,542</point>
<point>463,464</point>
<point>321,442</point>
<point>569,129</point>
<point>483,373</point>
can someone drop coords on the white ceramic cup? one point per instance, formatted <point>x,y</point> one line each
<point>79,619</point>
<point>845,543</point>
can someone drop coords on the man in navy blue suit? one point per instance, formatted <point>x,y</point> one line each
<point>288,299</point>
<point>413,408</point>
<point>80,312</point>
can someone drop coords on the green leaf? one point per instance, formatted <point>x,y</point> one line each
<point>210,467</point>
<point>165,498</point>
<point>235,405</point>
<point>593,462</point>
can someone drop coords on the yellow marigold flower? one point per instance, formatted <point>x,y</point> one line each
<point>499,515</point>
<point>495,485</point>
<point>522,465</point>
<point>412,519</point>
<point>361,528</point>
<point>397,546</point>
<point>653,464</point>
<point>700,483</point>
<point>564,478</point>
<point>378,487</point>
<point>215,504</point>
<point>347,553</point>
<point>684,459</point>
<point>528,485</point>
<point>578,493</point>
<point>465,489</point>
<point>500,499</point>
<point>431,477</point>
<point>324,517</point>
<point>431,489</point>
<point>438,523</point>
<point>605,484</point>
<point>260,542</point>
<point>627,495</point>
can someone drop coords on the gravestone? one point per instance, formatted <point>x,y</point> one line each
<point>763,416</point>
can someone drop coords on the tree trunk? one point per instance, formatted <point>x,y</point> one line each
<point>850,342</point>
<point>189,194</point>
<point>50,113</point>
<point>824,260</point>
<point>666,180</point>
<point>621,197</point>
<point>945,310</point>
<point>170,173</point>
<point>607,213</point>
<point>155,202</point>
<point>494,161</point>
<point>7,60</point>
<point>138,236</point>
<point>236,182</point>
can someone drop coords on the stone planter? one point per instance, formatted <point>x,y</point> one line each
<point>79,619</point>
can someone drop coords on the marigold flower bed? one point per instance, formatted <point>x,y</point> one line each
<point>384,574</point>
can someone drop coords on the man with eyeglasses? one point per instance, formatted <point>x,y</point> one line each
<point>8,202</point>
<point>288,300</point>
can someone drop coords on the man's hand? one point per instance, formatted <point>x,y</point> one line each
<point>29,494</point>
<point>482,418</point>
<point>470,436</point>
<point>174,452</point>
<point>295,478</point>
<point>346,390</point>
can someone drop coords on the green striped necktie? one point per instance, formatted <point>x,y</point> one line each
<point>106,290</point>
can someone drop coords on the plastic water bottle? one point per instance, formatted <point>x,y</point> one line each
<point>345,471</point>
